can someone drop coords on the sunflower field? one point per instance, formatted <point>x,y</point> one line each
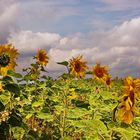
<point>34,106</point>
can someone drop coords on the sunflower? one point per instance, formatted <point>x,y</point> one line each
<point>8,55</point>
<point>42,57</point>
<point>100,72</point>
<point>78,66</point>
<point>131,85</point>
<point>131,91</point>
<point>127,111</point>
<point>127,115</point>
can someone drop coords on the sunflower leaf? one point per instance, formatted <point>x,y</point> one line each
<point>12,73</point>
<point>7,79</point>
<point>89,72</point>
<point>13,88</point>
<point>18,132</point>
<point>5,98</point>
<point>64,63</point>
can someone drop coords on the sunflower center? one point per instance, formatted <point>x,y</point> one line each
<point>41,57</point>
<point>77,67</point>
<point>4,59</point>
<point>99,73</point>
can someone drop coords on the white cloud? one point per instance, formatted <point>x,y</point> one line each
<point>47,11</point>
<point>8,18</point>
<point>118,47</point>
<point>30,42</point>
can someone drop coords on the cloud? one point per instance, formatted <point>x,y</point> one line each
<point>118,47</point>
<point>8,18</point>
<point>29,42</point>
<point>46,12</point>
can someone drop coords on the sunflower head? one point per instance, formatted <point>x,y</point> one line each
<point>129,83</point>
<point>127,111</point>
<point>132,85</point>
<point>128,108</point>
<point>126,116</point>
<point>4,59</point>
<point>8,55</point>
<point>78,66</point>
<point>100,72</point>
<point>42,57</point>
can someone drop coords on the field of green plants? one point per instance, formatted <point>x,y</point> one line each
<point>34,106</point>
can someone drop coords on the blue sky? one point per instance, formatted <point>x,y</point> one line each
<point>70,16</point>
<point>105,31</point>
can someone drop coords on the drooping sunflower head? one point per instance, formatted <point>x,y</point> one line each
<point>132,85</point>
<point>8,56</point>
<point>126,116</point>
<point>128,82</point>
<point>42,57</point>
<point>128,87</point>
<point>127,110</point>
<point>78,66</point>
<point>100,72</point>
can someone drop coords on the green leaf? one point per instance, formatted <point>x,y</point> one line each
<point>7,79</point>
<point>64,63</point>
<point>77,113</point>
<point>45,116</point>
<point>18,132</point>
<point>58,109</point>
<point>89,72</point>
<point>107,95</point>
<point>5,98</point>
<point>12,73</point>
<point>43,69</point>
<point>13,88</point>
<point>100,126</point>
<point>37,103</point>
<point>126,134</point>
<point>27,77</point>
<point>29,116</point>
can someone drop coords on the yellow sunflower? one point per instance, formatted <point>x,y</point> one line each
<point>8,55</point>
<point>42,57</point>
<point>126,115</point>
<point>78,66</point>
<point>100,72</point>
<point>132,85</point>
<point>131,90</point>
<point>127,111</point>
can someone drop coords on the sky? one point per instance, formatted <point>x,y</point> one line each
<point>104,31</point>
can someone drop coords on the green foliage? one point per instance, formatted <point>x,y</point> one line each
<point>64,63</point>
<point>65,109</point>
